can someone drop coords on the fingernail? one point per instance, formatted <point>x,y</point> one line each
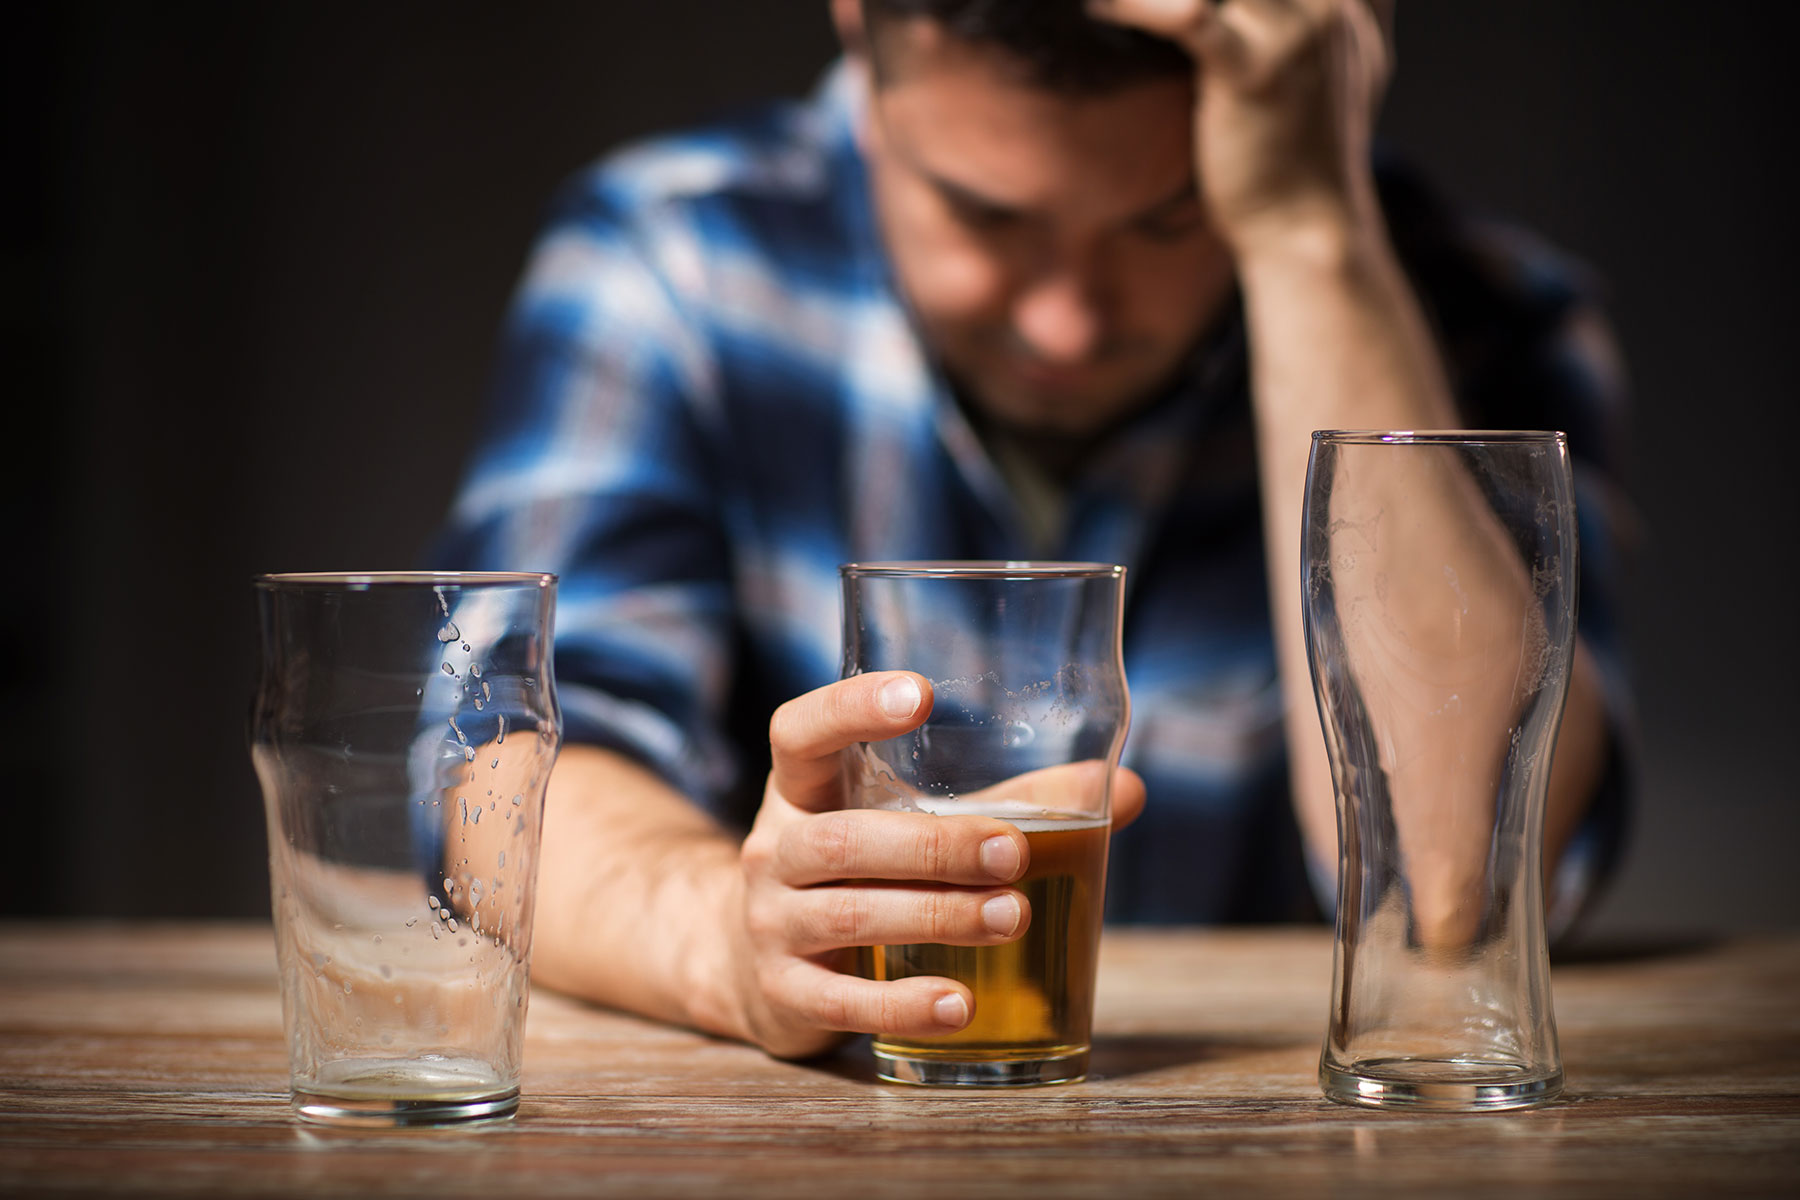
<point>951,1010</point>
<point>899,697</point>
<point>1001,915</point>
<point>1000,858</point>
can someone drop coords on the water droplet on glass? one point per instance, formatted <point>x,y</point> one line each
<point>502,720</point>
<point>486,694</point>
<point>443,605</point>
<point>412,922</point>
<point>378,939</point>
<point>477,818</point>
<point>418,691</point>
<point>465,647</point>
<point>464,801</point>
<point>478,704</point>
<point>452,924</point>
<point>495,763</point>
<point>503,858</point>
<point>1019,734</point>
<point>449,633</point>
<point>448,669</point>
<point>518,800</point>
<point>387,972</point>
<point>432,900</point>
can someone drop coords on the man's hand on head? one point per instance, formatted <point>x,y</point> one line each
<point>1286,98</point>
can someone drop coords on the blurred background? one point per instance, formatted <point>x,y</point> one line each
<point>261,253</point>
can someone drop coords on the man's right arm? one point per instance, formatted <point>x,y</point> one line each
<point>645,904</point>
<point>625,853</point>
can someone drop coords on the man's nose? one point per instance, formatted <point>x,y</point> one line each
<point>1059,317</point>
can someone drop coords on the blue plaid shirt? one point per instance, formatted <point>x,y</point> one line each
<point>709,396</point>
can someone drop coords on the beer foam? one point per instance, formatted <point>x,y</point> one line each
<point>1050,824</point>
<point>1029,818</point>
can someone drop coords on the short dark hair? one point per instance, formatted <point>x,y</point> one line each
<point>1056,44</point>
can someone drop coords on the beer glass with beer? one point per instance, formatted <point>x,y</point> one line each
<point>1028,715</point>
<point>403,729</point>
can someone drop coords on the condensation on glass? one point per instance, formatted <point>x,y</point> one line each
<point>403,730</point>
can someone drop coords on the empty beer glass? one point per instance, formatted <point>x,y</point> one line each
<point>1029,712</point>
<point>1439,593</point>
<point>403,730</point>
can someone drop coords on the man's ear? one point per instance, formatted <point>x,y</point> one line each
<point>847,17</point>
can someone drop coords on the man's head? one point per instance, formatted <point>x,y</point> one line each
<point>1033,172</point>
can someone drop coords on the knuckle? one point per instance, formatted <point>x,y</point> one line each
<point>832,840</point>
<point>762,923</point>
<point>756,854</point>
<point>834,1007</point>
<point>937,850</point>
<point>945,916</point>
<point>845,917</point>
<point>891,1009</point>
<point>785,727</point>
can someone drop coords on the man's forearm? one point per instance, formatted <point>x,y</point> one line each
<point>632,894</point>
<point>1338,341</point>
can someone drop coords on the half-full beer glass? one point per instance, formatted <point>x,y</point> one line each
<point>1439,592</point>
<point>1029,712</point>
<point>403,730</point>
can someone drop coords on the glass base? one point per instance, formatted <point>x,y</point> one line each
<point>1439,1084</point>
<point>897,1067</point>
<point>373,1112</point>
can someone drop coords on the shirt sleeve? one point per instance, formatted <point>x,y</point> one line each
<point>596,465</point>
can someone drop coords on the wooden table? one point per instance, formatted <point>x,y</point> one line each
<point>149,1060</point>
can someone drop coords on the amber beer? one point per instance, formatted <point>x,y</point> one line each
<point>1034,997</point>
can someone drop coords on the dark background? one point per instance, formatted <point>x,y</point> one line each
<point>261,252</point>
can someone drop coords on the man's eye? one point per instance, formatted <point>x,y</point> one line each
<point>1173,226</point>
<point>986,217</point>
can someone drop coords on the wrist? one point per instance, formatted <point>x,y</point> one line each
<point>709,973</point>
<point>1320,236</point>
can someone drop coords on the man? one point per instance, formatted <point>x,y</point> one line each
<point>1018,283</point>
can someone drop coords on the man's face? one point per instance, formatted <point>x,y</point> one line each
<point>1053,248</point>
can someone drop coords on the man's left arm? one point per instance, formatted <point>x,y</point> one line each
<point>1286,95</point>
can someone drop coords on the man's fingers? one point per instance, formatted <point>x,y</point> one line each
<point>1069,789</point>
<point>1127,798</point>
<point>832,918</point>
<point>1195,25</point>
<point>827,1000</point>
<point>875,844</point>
<point>808,734</point>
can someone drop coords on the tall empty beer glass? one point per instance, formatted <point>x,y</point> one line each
<point>403,730</point>
<point>1028,716</point>
<point>1439,581</point>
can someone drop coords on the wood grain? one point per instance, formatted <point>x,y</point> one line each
<point>140,1059</point>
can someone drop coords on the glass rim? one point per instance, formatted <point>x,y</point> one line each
<point>979,569</point>
<point>369,579</point>
<point>1437,437</point>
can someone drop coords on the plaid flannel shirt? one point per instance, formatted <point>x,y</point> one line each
<point>709,396</point>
